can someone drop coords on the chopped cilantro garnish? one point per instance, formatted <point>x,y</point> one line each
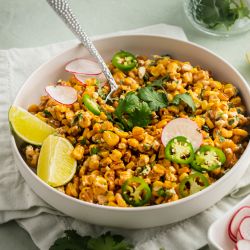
<point>155,100</point>
<point>165,192</point>
<point>46,113</point>
<point>141,116</point>
<point>231,122</point>
<point>186,97</point>
<point>160,82</point>
<point>132,111</point>
<point>221,138</point>
<point>94,151</point>
<point>77,118</point>
<point>83,141</point>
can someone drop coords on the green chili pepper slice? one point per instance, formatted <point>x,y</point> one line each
<point>124,60</point>
<point>179,150</point>
<point>91,105</point>
<point>136,192</point>
<point>193,184</point>
<point>208,158</point>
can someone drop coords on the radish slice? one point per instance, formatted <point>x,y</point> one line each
<point>243,245</point>
<point>244,228</point>
<point>102,78</point>
<point>83,67</point>
<point>235,221</point>
<point>182,127</point>
<point>83,78</point>
<point>63,94</point>
<point>238,236</point>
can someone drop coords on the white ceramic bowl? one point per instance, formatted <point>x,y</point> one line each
<point>139,217</point>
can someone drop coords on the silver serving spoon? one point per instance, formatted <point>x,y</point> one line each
<point>62,8</point>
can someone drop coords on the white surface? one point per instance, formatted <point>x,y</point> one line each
<point>218,232</point>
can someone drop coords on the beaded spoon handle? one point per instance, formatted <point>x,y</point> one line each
<point>62,8</point>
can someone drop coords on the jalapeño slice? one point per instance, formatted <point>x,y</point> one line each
<point>124,60</point>
<point>91,105</point>
<point>136,192</point>
<point>179,150</point>
<point>193,184</point>
<point>208,158</point>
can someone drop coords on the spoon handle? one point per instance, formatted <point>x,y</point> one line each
<point>62,8</point>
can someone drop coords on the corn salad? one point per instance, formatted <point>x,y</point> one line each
<point>108,154</point>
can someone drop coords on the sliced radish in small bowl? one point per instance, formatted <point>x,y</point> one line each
<point>243,245</point>
<point>235,221</point>
<point>238,236</point>
<point>244,228</point>
<point>182,127</point>
<point>63,94</point>
<point>82,66</point>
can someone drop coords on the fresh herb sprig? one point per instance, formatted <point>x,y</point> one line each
<point>214,13</point>
<point>136,109</point>
<point>186,98</point>
<point>131,111</point>
<point>73,241</point>
<point>155,100</point>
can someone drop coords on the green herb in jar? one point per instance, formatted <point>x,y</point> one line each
<point>214,13</point>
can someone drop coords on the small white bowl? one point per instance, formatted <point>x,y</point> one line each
<point>137,217</point>
<point>218,232</point>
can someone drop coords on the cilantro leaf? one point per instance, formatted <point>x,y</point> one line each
<point>141,116</point>
<point>77,118</point>
<point>109,242</point>
<point>94,151</point>
<point>46,113</point>
<point>71,241</point>
<point>132,102</point>
<point>159,82</point>
<point>127,105</point>
<point>186,97</point>
<point>131,111</point>
<point>155,100</point>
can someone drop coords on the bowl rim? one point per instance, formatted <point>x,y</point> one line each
<point>143,208</point>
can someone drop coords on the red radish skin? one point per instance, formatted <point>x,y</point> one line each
<point>81,66</point>
<point>62,94</point>
<point>235,221</point>
<point>182,127</point>
<point>243,245</point>
<point>244,228</point>
<point>238,237</point>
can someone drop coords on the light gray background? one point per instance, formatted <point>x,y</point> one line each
<point>30,23</point>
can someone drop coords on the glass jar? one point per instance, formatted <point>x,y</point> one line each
<point>219,17</point>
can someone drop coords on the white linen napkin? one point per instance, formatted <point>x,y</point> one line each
<point>45,224</point>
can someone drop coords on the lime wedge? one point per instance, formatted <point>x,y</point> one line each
<point>248,56</point>
<point>28,127</point>
<point>55,164</point>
